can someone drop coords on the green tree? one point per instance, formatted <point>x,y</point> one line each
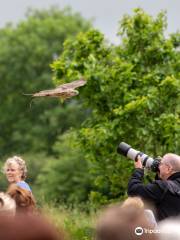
<point>133,90</point>
<point>26,50</point>
<point>65,179</point>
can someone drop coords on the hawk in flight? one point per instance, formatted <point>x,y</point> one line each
<point>63,91</point>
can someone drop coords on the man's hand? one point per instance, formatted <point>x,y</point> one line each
<point>138,163</point>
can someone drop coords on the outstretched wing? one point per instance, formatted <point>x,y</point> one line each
<point>72,85</point>
<point>63,91</point>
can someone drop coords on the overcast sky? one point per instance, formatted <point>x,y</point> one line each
<point>107,13</point>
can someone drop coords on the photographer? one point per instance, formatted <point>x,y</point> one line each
<point>164,193</point>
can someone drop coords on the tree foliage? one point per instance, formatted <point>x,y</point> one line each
<point>65,179</point>
<point>133,90</point>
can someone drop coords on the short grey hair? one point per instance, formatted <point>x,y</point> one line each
<point>21,163</point>
<point>173,160</point>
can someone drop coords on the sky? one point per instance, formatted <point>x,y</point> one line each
<point>106,13</point>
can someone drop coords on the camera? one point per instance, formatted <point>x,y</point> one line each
<point>147,162</point>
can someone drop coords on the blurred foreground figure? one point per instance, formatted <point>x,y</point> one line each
<point>28,228</point>
<point>169,229</point>
<point>123,223</point>
<point>7,205</point>
<point>137,203</point>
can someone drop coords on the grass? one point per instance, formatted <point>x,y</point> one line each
<point>77,224</point>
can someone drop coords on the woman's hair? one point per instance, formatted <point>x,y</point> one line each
<point>25,202</point>
<point>133,202</point>
<point>7,205</point>
<point>21,163</point>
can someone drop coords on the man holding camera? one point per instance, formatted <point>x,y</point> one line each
<point>163,193</point>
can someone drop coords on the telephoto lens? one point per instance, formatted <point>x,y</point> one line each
<point>131,153</point>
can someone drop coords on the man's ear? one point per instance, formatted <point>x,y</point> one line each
<point>170,168</point>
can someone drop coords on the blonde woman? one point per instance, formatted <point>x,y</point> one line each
<point>15,170</point>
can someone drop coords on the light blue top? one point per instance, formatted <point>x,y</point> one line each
<point>24,185</point>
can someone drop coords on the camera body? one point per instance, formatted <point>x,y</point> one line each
<point>147,162</point>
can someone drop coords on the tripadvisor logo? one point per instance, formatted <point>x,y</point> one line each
<point>138,231</point>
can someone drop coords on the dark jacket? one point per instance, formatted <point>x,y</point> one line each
<point>164,194</point>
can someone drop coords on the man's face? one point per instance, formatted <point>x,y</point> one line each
<point>165,170</point>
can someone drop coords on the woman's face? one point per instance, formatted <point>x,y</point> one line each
<point>13,173</point>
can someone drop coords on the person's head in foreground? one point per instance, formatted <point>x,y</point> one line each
<point>122,223</point>
<point>137,203</point>
<point>169,229</point>
<point>7,205</point>
<point>28,227</point>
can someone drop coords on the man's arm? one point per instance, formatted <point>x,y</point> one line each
<point>151,191</point>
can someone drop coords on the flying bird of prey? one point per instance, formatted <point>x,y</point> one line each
<point>63,91</point>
